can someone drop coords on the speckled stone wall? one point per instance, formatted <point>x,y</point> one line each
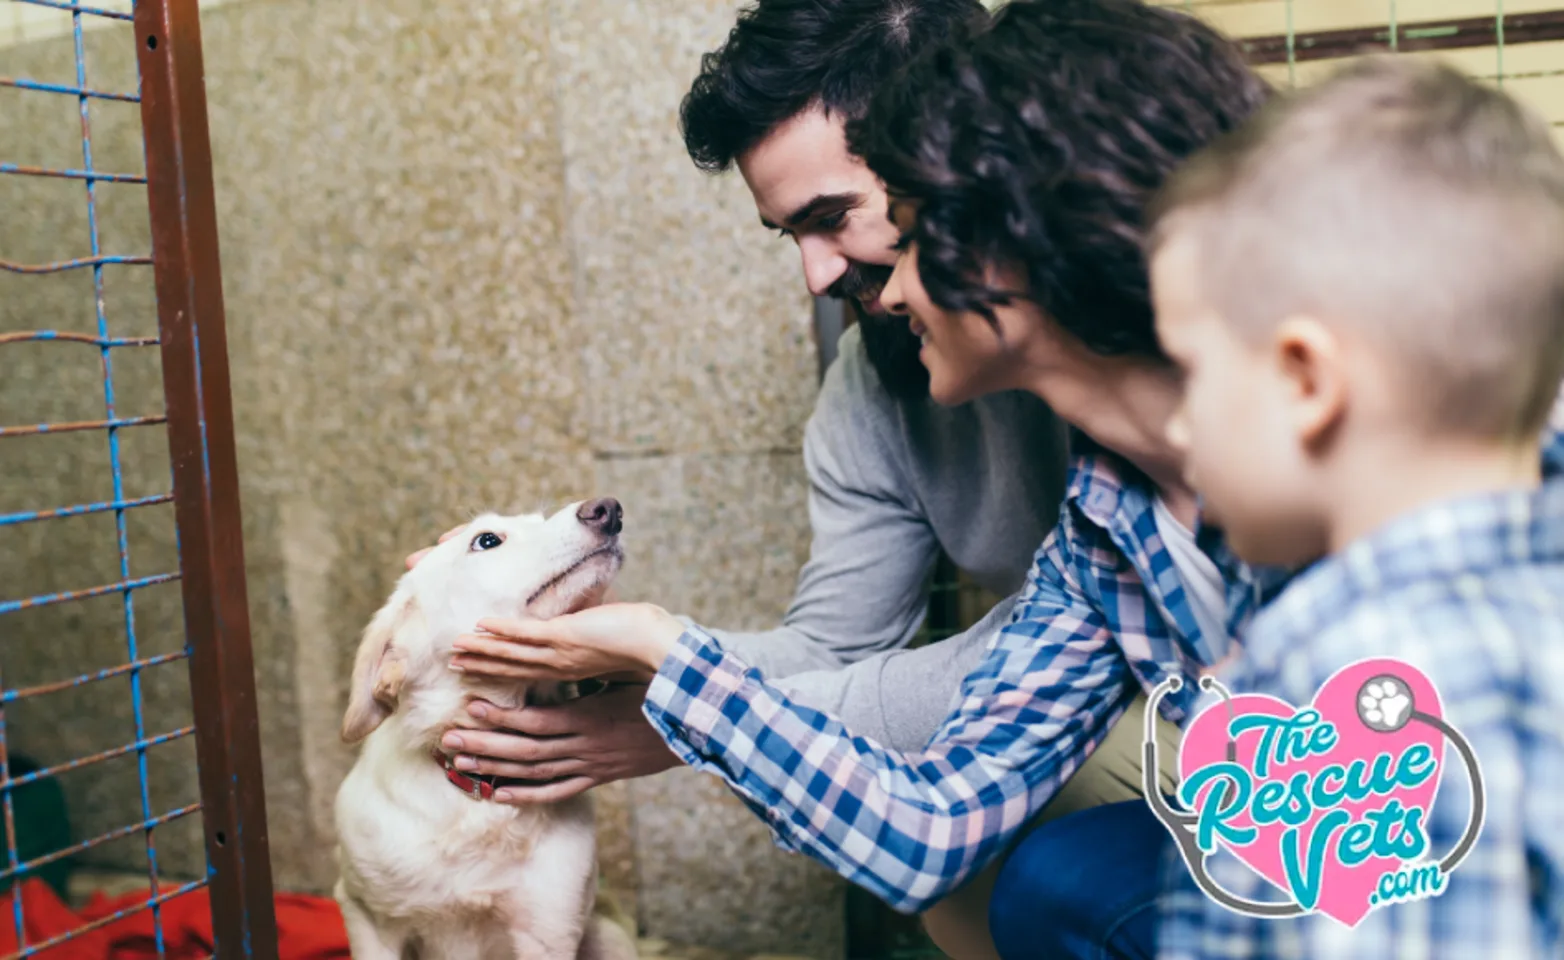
<point>467,265</point>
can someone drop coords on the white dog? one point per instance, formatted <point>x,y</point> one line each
<point>431,868</point>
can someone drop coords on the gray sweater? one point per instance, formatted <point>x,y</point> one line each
<point>892,483</point>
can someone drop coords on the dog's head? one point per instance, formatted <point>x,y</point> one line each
<point>528,567</point>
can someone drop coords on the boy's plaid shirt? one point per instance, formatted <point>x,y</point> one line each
<point>1102,616</point>
<point>1471,592</point>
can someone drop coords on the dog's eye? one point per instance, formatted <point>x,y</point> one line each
<point>487,541</point>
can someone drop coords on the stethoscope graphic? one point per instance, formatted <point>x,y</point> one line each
<point>1182,824</point>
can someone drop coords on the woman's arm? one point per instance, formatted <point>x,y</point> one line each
<point>907,826</point>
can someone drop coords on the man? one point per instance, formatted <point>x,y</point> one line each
<point>894,478</point>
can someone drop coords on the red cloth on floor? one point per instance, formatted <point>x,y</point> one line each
<point>308,928</point>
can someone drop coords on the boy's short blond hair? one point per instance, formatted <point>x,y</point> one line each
<point>1408,205</point>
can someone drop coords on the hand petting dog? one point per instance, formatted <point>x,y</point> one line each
<point>614,642</point>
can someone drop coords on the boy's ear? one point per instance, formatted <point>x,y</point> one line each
<point>379,668</point>
<point>1311,361</point>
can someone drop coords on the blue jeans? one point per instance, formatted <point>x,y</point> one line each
<point>1082,887</point>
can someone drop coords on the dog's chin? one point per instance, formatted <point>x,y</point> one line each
<point>581,587</point>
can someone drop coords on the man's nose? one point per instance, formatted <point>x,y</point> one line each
<point>603,515</point>
<point>823,264</point>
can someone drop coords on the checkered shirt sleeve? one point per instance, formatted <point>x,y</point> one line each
<point>909,827</point>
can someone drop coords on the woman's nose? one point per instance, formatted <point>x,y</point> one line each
<point>892,298</point>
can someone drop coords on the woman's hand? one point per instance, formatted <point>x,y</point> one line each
<point>616,638</point>
<point>413,558</point>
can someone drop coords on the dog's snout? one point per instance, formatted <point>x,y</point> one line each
<point>603,515</point>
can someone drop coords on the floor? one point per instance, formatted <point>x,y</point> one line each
<point>86,881</point>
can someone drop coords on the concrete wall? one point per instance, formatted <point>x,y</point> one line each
<point>467,265</point>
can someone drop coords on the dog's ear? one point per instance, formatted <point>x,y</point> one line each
<point>378,669</point>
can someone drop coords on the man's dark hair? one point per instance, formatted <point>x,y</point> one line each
<point>784,56</point>
<point>1039,142</point>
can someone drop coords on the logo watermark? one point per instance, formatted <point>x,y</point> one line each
<point>1329,802</point>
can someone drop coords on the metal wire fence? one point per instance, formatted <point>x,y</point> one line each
<point>124,647</point>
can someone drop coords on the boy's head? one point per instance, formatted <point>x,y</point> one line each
<point>1369,273</point>
<point>773,100</point>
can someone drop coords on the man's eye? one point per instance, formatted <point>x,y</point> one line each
<point>486,541</point>
<point>831,221</point>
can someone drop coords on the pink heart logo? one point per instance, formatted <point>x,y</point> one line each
<point>1335,801</point>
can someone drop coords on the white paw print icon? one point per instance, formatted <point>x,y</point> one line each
<point>1385,704</point>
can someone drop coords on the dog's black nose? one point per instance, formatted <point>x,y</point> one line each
<point>603,515</point>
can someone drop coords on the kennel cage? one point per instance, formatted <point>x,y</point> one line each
<point>196,488</point>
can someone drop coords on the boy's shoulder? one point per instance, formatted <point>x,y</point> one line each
<point>1472,587</point>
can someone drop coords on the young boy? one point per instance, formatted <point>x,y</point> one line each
<point>1365,290</point>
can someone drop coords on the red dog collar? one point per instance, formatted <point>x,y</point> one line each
<point>479,786</point>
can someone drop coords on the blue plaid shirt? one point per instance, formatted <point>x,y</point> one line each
<point>1103,616</point>
<point>1472,593</point>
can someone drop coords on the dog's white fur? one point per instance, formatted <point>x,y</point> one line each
<point>426,870</point>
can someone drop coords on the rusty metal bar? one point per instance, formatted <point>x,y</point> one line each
<point>73,426</point>
<point>101,839</point>
<point>26,171</point>
<point>23,84</point>
<point>8,803</point>
<point>79,762</point>
<point>10,519</point>
<point>38,690</point>
<point>188,275</point>
<point>122,586</point>
<point>78,8</point>
<point>22,336</point>
<point>101,922</point>
<point>63,265</point>
<point>1409,37</point>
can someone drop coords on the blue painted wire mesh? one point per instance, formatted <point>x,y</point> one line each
<point>93,684</point>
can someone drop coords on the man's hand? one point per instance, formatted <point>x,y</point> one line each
<point>576,745</point>
<point>413,558</point>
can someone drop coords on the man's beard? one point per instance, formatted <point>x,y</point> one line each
<point>887,339</point>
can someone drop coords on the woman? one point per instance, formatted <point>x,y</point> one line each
<point>1020,161</point>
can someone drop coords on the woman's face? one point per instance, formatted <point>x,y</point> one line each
<point>966,355</point>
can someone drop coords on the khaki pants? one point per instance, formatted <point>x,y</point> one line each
<point>958,924</point>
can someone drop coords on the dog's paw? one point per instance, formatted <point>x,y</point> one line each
<point>1385,703</point>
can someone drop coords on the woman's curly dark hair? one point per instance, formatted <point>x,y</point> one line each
<point>1039,142</point>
